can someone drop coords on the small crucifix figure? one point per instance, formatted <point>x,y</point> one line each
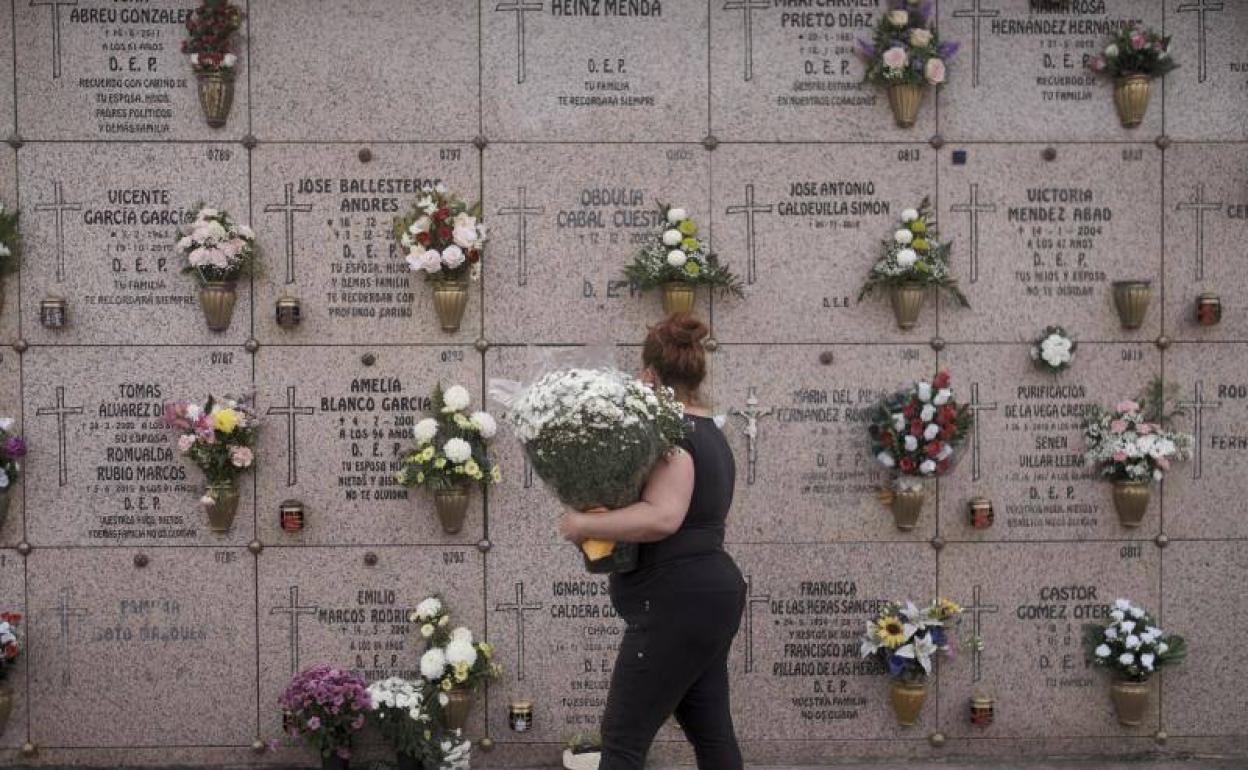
<point>750,416</point>
<point>978,609</point>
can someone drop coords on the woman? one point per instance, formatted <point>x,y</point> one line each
<point>684,601</point>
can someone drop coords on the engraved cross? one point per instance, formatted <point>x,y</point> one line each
<point>1198,405</point>
<point>294,609</point>
<point>59,207</point>
<point>973,208</point>
<point>1200,206</point>
<point>747,7</point>
<point>291,412</point>
<point>289,208</point>
<point>522,210</point>
<point>1201,7</point>
<point>978,609</point>
<point>61,411</point>
<point>519,607</point>
<point>56,30</point>
<point>751,600</point>
<point>520,8</point>
<point>975,13</point>
<point>750,208</point>
<point>66,613</point>
<point>976,406</point>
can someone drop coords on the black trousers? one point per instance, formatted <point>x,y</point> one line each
<point>673,659</point>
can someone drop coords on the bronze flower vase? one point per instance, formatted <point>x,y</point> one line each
<point>216,95</point>
<point>6,705</point>
<point>450,298</point>
<point>907,699</point>
<point>907,300</point>
<point>217,299</point>
<point>1131,299</point>
<point>455,712</point>
<point>221,504</point>
<point>678,298</point>
<point>905,99</point>
<point>1130,701</point>
<point>451,505</point>
<point>1131,95</point>
<point>907,504</point>
<point>1131,501</point>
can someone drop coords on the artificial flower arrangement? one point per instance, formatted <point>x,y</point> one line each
<point>677,261</point>
<point>10,240</point>
<point>593,434</point>
<point>450,454</point>
<point>12,450</point>
<point>1133,58</point>
<point>326,706</point>
<point>1054,350</point>
<point>220,437</point>
<point>906,55</point>
<point>210,46</point>
<point>916,433</point>
<point>400,710</point>
<point>906,640</point>
<point>10,649</point>
<point>218,251</point>
<point>914,260</point>
<point>1133,648</point>
<point>443,237</point>
<point>454,664</point>
<point>1133,446</point>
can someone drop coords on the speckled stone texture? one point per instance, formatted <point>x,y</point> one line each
<point>571,120</point>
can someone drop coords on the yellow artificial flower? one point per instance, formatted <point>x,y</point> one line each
<point>918,226</point>
<point>462,421</point>
<point>496,474</point>
<point>891,631</point>
<point>420,477</point>
<point>401,477</point>
<point>439,463</point>
<point>426,454</point>
<point>472,469</point>
<point>947,608</point>
<point>225,420</point>
<point>693,268</point>
<point>689,244</point>
<point>687,227</point>
<point>447,684</point>
<point>486,649</point>
<point>920,244</point>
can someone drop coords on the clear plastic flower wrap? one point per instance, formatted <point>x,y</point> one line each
<point>591,432</point>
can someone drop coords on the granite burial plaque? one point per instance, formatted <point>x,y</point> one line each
<point>335,428</point>
<point>1040,243</point>
<point>13,599</point>
<point>790,71</point>
<point>1206,221</point>
<point>1205,97</point>
<point>1026,452</point>
<point>594,70</point>
<point>804,466</point>
<point>1200,699</point>
<point>802,227</point>
<point>397,72</point>
<point>104,240</point>
<point>1022,72</point>
<point>798,648</point>
<point>1033,661</point>
<point>94,69</point>
<point>322,605</point>
<point>121,656</point>
<point>325,220</point>
<point>565,220</point>
<point>1203,497</point>
<point>103,469</point>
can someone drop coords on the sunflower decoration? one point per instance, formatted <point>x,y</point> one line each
<point>891,632</point>
<point>906,638</point>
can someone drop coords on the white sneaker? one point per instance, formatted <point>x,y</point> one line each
<point>586,761</point>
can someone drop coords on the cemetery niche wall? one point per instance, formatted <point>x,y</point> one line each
<point>149,638</point>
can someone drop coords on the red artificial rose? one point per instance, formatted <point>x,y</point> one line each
<point>916,427</point>
<point>933,448</point>
<point>445,233</point>
<point>474,256</point>
<point>948,413</point>
<point>422,239</point>
<point>907,465</point>
<point>942,467</point>
<point>10,650</point>
<point>948,432</point>
<point>941,381</point>
<point>910,411</point>
<point>11,617</point>
<point>886,438</point>
<point>441,214</point>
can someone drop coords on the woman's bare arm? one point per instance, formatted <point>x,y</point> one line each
<point>660,512</point>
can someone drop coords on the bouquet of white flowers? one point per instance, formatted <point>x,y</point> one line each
<point>1131,645</point>
<point>593,434</point>
<point>1132,443</point>
<point>1054,350</point>
<point>216,247</point>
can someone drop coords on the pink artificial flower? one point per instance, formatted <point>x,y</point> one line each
<point>895,58</point>
<point>1120,457</point>
<point>935,71</point>
<point>1139,40</point>
<point>204,429</point>
<point>1144,428</point>
<point>1097,64</point>
<point>241,456</point>
<point>1118,426</point>
<point>185,442</point>
<point>1127,406</point>
<point>1163,463</point>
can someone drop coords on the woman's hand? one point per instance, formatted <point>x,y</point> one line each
<point>570,526</point>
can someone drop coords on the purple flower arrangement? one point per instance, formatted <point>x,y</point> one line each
<point>326,706</point>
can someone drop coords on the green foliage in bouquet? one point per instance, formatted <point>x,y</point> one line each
<point>10,240</point>
<point>677,255</point>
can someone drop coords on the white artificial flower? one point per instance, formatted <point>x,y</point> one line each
<point>433,664</point>
<point>1132,642</point>
<point>460,651</point>
<point>676,258</point>
<point>6,423</point>
<point>946,451</point>
<point>1118,615</point>
<point>1111,51</point>
<point>672,237</point>
<point>1136,612</point>
<point>456,398</point>
<point>1122,604</point>
<point>229,60</point>
<point>1127,626</point>
<point>907,257</point>
<point>920,650</point>
<point>899,422</point>
<point>429,608</point>
<point>457,450</point>
<point>1162,647</point>
<point>925,391</point>
<point>465,237</point>
<point>931,432</point>
<point>453,256</point>
<point>422,224</point>
<point>1126,659</point>
<point>485,424</point>
<point>942,396</point>
<point>1147,659</point>
<point>675,216</point>
<point>927,467</point>
<point>1111,633</point>
<point>920,37</point>
<point>1103,651</point>
<point>426,630</point>
<point>927,413</point>
<point>886,459</point>
<point>898,17</point>
<point>904,237</point>
<point>462,633</point>
<point>194,60</point>
<point>439,187</point>
<point>909,215</point>
<point>911,443</point>
<point>425,430</point>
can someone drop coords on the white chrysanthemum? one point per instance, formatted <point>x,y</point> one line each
<point>460,651</point>
<point>886,459</point>
<point>1136,612</point>
<point>904,237</point>
<point>1147,660</point>
<point>425,430</point>
<point>1103,651</point>
<point>429,608</point>
<point>433,664</point>
<point>462,633</point>
<point>1127,659</point>
<point>485,424</point>
<point>907,257</point>
<point>676,258</point>
<point>457,450</point>
<point>456,398</point>
<point>909,215</point>
<point>672,237</point>
<point>1132,642</point>
<point>1122,604</point>
<point>675,216</point>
